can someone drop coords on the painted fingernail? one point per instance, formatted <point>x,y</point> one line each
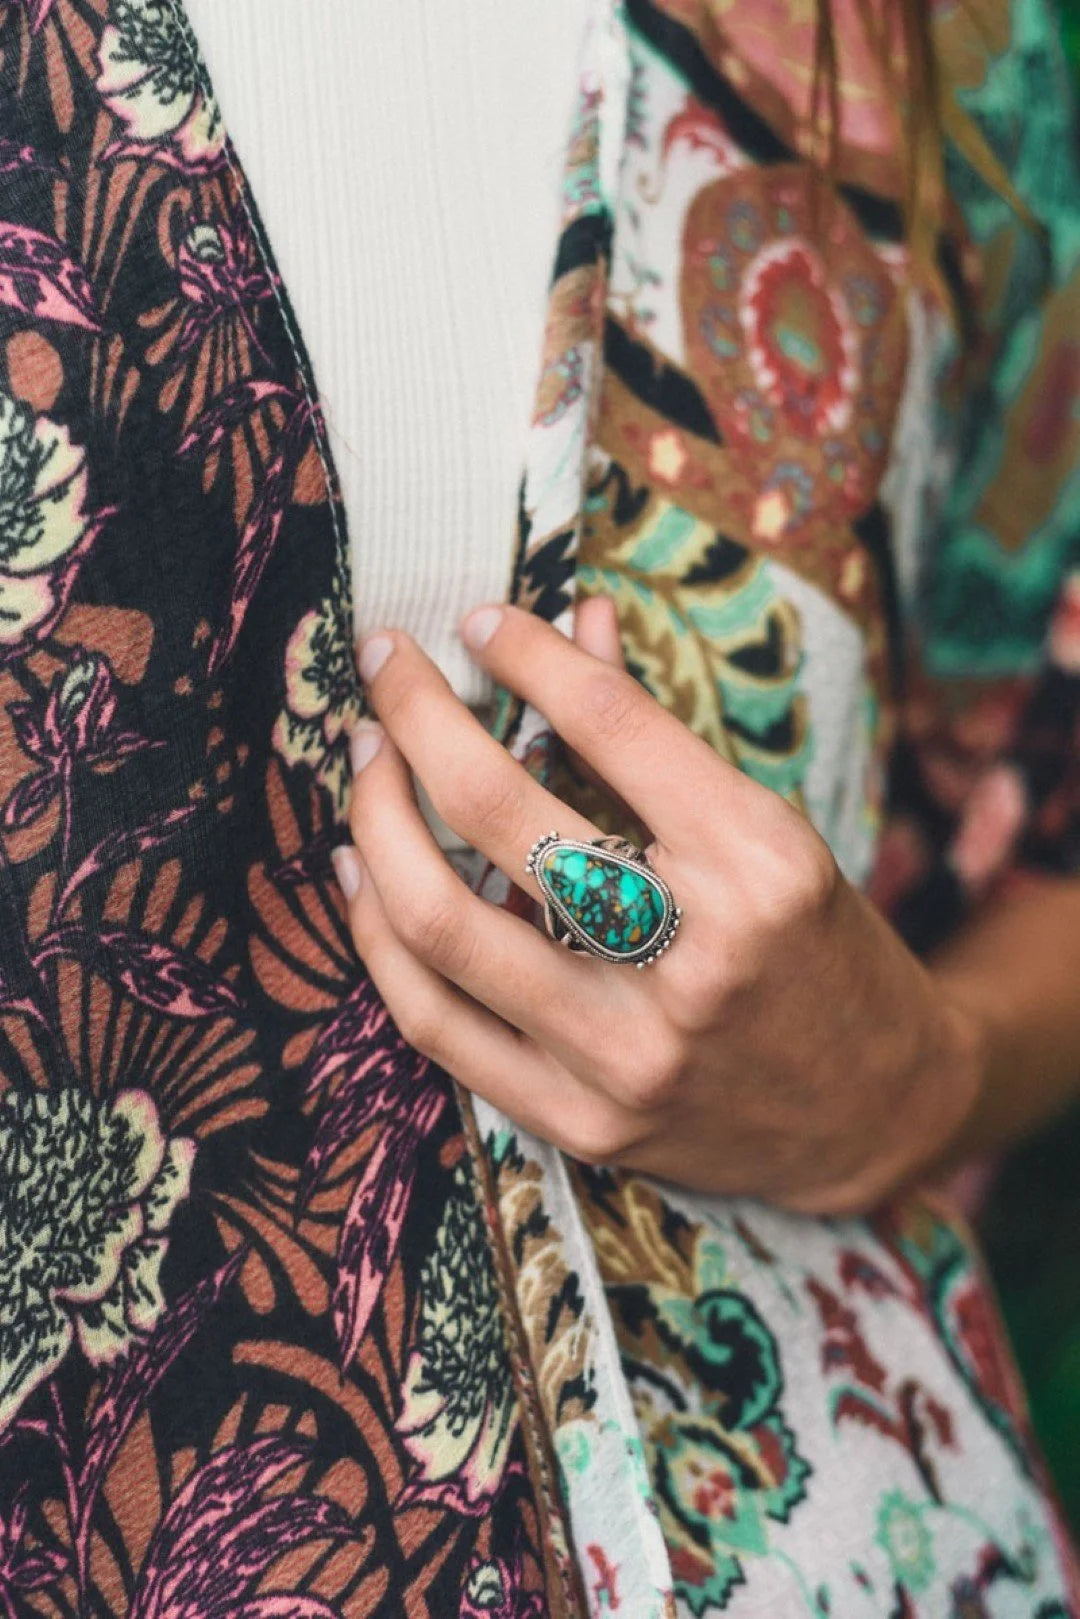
<point>480,626</point>
<point>347,870</point>
<point>364,744</point>
<point>373,654</point>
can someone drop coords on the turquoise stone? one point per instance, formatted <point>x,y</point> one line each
<point>617,905</point>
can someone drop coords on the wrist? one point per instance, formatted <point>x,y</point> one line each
<point>961,1073</point>
<point>938,1092</point>
<point>946,1082</point>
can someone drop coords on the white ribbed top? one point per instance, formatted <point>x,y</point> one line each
<point>406,161</point>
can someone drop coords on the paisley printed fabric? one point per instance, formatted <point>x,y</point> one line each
<point>783,433</point>
<point>287,1325</point>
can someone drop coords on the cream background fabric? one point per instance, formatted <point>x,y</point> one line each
<point>365,131</point>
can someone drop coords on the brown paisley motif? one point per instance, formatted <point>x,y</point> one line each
<point>701,626</point>
<point>557,1337</point>
<point>799,349</point>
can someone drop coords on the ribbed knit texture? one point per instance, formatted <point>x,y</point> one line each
<point>366,133</point>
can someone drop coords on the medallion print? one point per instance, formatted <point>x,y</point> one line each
<point>754,384</point>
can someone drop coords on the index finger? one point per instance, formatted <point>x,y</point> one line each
<point>673,780</point>
<point>482,793</point>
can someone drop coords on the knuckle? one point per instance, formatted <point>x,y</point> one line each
<point>804,884</point>
<point>420,1026</point>
<point>653,1077</point>
<point>695,994</point>
<point>431,929</point>
<point>814,876</point>
<point>615,707</point>
<point>597,1140</point>
<point>488,806</point>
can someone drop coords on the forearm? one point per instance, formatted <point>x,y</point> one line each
<point>1016,970</point>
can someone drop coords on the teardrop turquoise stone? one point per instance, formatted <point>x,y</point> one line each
<point>619,906</point>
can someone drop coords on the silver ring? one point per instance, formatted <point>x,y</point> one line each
<point>603,898</point>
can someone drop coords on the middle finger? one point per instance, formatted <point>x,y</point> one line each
<point>571,1005</point>
<point>482,793</point>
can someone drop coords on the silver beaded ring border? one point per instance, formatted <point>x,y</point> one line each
<point>563,930</point>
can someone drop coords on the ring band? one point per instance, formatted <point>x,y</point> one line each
<point>603,898</point>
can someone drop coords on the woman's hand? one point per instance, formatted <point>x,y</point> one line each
<point>787,1046</point>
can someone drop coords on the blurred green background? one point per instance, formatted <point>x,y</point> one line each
<point>1070,28</point>
<point>1031,1229</point>
<point>1031,1225</point>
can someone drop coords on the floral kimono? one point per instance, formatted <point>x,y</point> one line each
<point>290,1326</point>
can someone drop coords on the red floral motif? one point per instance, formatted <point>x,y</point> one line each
<point>868,1393</point>
<point>800,339</point>
<point>782,337</point>
<point>606,1585</point>
<point>700,128</point>
<point>980,1335</point>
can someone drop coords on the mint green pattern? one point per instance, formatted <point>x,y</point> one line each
<point>987,603</point>
<point>615,905</point>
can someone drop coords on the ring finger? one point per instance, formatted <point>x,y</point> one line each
<point>526,1083</point>
<point>477,788</point>
<point>572,1005</point>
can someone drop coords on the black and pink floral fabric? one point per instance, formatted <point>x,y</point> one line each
<point>287,1326</point>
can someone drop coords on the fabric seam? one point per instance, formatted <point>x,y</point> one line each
<point>517,1351</point>
<point>612,20</point>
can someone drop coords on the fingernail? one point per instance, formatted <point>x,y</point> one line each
<point>373,654</point>
<point>347,869</point>
<point>480,626</point>
<point>364,744</point>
